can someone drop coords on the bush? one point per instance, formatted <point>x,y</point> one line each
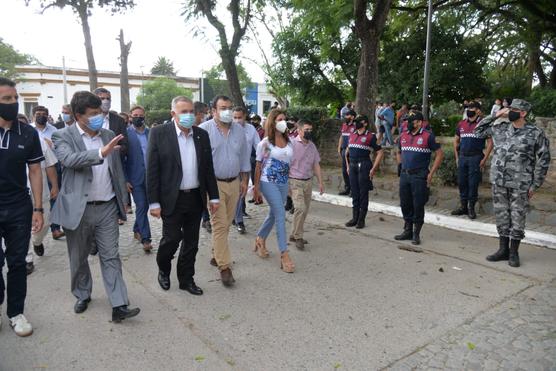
<point>448,171</point>
<point>317,115</point>
<point>543,101</point>
<point>157,116</point>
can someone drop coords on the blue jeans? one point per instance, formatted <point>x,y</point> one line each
<point>469,177</point>
<point>387,134</point>
<point>141,225</point>
<point>275,195</point>
<point>240,209</point>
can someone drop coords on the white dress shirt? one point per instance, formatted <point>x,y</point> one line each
<point>106,122</point>
<point>188,155</point>
<point>101,186</point>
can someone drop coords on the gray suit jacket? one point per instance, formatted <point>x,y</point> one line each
<point>77,174</point>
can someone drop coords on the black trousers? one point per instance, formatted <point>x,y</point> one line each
<point>414,194</point>
<point>361,183</point>
<point>15,230</point>
<point>181,226</point>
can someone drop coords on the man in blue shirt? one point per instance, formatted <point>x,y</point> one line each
<point>387,117</point>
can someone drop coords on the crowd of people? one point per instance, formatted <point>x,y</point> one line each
<point>77,177</point>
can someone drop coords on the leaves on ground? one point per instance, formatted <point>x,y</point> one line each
<point>199,358</point>
<point>225,317</point>
<point>471,346</point>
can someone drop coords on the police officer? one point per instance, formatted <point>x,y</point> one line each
<point>518,169</point>
<point>470,159</point>
<point>361,169</point>
<point>416,146</point>
<point>348,127</point>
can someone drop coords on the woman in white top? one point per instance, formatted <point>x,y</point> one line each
<point>274,154</point>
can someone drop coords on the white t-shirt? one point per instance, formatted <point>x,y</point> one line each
<point>275,162</point>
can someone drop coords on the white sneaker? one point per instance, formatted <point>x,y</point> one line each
<point>21,326</point>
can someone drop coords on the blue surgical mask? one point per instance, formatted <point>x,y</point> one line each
<point>66,117</point>
<point>186,120</point>
<point>95,122</point>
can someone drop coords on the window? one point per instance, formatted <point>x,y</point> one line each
<point>28,108</point>
<point>266,106</point>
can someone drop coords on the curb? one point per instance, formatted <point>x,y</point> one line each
<point>450,222</point>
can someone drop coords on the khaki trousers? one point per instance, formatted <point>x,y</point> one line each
<point>301,196</point>
<point>221,221</point>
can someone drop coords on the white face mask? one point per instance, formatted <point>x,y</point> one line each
<point>226,116</point>
<point>282,126</point>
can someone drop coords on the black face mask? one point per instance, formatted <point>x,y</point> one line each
<point>513,116</point>
<point>359,124</point>
<point>138,121</point>
<point>41,120</point>
<point>471,114</point>
<point>410,126</point>
<point>308,135</point>
<point>9,111</point>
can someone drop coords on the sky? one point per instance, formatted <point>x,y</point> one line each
<point>155,27</point>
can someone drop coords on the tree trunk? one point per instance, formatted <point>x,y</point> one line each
<point>229,64</point>
<point>553,76</point>
<point>124,76</point>
<point>93,78</point>
<point>367,77</point>
<point>533,59</point>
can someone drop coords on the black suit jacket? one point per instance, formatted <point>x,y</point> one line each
<point>164,169</point>
<point>118,126</point>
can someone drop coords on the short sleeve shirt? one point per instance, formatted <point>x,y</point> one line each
<point>360,145</point>
<point>416,149</point>
<point>275,162</point>
<point>347,129</point>
<point>470,142</point>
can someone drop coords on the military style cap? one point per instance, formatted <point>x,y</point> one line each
<point>521,105</point>
<point>415,115</point>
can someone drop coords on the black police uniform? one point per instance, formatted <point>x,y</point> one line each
<point>347,130</point>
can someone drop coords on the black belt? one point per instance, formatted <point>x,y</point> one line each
<point>96,203</point>
<point>189,190</point>
<point>303,180</point>
<point>469,154</point>
<point>362,159</point>
<point>413,171</point>
<point>227,180</point>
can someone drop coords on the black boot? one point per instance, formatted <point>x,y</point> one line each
<point>355,218</point>
<point>417,234</point>
<point>471,211</point>
<point>407,233</point>
<point>462,210</point>
<point>513,260</point>
<point>503,252</point>
<point>361,219</point>
<point>345,192</point>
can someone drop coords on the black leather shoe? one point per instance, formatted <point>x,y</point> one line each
<point>81,305</point>
<point>241,228</point>
<point>39,249</point>
<point>123,312</point>
<point>164,280</point>
<point>30,267</point>
<point>192,288</point>
<point>345,192</point>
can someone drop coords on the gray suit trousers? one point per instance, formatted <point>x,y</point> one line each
<point>99,224</point>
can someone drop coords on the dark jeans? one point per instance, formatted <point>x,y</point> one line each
<point>15,230</point>
<point>414,194</point>
<point>360,183</point>
<point>141,225</point>
<point>182,226</point>
<point>469,177</point>
<point>55,227</point>
<point>344,169</point>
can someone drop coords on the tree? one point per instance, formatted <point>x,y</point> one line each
<point>9,58</point>
<point>124,75</point>
<point>163,67</point>
<point>240,13</point>
<point>83,9</point>
<point>215,78</point>
<point>158,93</point>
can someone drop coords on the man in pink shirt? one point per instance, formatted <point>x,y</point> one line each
<point>305,164</point>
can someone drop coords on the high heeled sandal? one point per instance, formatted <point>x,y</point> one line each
<point>288,267</point>
<point>260,248</point>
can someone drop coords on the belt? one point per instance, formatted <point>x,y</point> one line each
<point>227,180</point>
<point>189,190</point>
<point>303,180</point>
<point>362,159</point>
<point>96,203</point>
<point>471,153</point>
<point>413,171</point>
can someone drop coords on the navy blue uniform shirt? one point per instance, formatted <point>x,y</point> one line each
<point>360,145</point>
<point>416,149</point>
<point>470,143</point>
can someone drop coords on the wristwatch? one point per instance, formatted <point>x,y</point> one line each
<point>38,209</point>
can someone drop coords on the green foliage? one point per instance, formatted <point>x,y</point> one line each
<point>163,67</point>
<point>448,171</point>
<point>317,115</point>
<point>445,118</point>
<point>9,58</point>
<point>158,93</point>
<point>154,117</point>
<point>217,83</point>
<point>543,101</point>
<point>508,81</point>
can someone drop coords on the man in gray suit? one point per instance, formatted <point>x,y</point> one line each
<point>91,200</point>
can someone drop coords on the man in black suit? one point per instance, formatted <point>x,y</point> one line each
<point>112,121</point>
<point>180,174</point>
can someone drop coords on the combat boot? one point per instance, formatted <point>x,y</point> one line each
<point>353,221</point>
<point>503,252</point>
<point>462,210</point>
<point>361,219</point>
<point>471,211</point>
<point>407,233</point>
<point>513,260</point>
<point>417,234</point>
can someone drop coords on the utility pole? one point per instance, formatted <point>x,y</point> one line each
<point>65,80</point>
<point>427,64</point>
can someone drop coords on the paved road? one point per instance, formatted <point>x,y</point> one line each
<point>356,302</point>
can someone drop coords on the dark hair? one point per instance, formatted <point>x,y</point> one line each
<point>199,107</point>
<point>7,82</point>
<point>474,104</point>
<point>256,117</point>
<point>220,97</point>
<point>301,123</point>
<point>362,118</point>
<point>82,100</point>
<point>240,109</point>
<point>137,107</point>
<point>101,91</point>
<point>39,108</point>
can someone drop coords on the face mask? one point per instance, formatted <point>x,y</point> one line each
<point>105,106</point>
<point>410,125</point>
<point>282,126</point>
<point>359,124</point>
<point>513,116</point>
<point>9,111</point>
<point>66,117</point>
<point>95,122</point>
<point>41,120</point>
<point>226,116</point>
<point>186,120</point>
<point>471,114</point>
<point>240,122</point>
<point>138,121</point>
<point>308,135</point>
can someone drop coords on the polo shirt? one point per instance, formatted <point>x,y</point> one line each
<point>360,145</point>
<point>416,149</point>
<point>346,130</point>
<point>19,146</point>
<point>470,143</point>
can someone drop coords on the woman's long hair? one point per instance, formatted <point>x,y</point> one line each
<point>270,127</point>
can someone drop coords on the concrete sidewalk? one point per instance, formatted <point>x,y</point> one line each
<point>356,302</point>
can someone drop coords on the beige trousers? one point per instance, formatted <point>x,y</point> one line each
<point>221,221</point>
<point>301,196</point>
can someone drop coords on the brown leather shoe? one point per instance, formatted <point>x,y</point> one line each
<point>147,247</point>
<point>292,239</point>
<point>57,234</point>
<point>300,244</point>
<point>227,277</point>
<point>137,236</point>
<point>213,262</point>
